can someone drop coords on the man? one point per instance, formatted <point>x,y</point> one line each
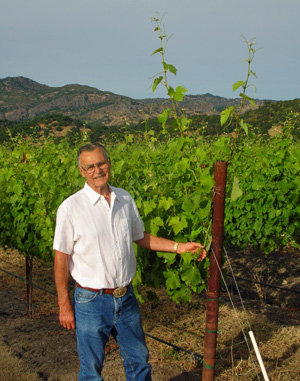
<point>94,232</point>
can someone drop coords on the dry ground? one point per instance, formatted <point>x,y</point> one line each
<point>37,348</point>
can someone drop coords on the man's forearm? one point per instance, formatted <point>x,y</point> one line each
<point>156,243</point>
<point>61,274</point>
<point>162,244</point>
<point>61,271</point>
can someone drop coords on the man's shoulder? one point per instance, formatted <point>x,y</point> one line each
<point>73,198</point>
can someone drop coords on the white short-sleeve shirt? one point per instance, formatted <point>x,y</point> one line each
<point>99,238</point>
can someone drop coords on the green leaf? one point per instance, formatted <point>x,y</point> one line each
<point>183,164</point>
<point>225,114</point>
<point>171,92</point>
<point>118,166</point>
<point>18,190</point>
<point>179,93</point>
<point>247,128</point>
<point>166,203</point>
<point>8,173</point>
<point>204,209</point>
<point>157,50</point>
<point>178,224</point>
<point>184,293</point>
<point>206,182</point>
<point>190,275</point>
<point>148,206</point>
<point>187,257</point>
<point>237,85</point>
<point>204,264</point>
<point>244,126</point>
<point>156,82</point>
<point>169,257</point>
<point>172,279</point>
<point>188,205</point>
<point>168,67</point>
<point>163,117</point>
<point>236,190</point>
<point>185,122</point>
<point>250,100</point>
<point>153,225</point>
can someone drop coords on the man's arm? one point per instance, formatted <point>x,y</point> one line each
<point>61,273</point>
<point>167,245</point>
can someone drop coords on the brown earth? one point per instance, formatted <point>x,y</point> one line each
<point>37,348</point>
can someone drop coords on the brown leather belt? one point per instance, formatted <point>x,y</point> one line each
<point>116,292</point>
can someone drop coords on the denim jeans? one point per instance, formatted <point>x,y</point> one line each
<point>97,316</point>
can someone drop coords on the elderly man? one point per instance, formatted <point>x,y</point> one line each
<point>95,229</point>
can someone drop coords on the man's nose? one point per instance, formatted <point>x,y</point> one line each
<point>98,168</point>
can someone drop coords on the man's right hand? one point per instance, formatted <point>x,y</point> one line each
<point>61,272</point>
<point>67,317</point>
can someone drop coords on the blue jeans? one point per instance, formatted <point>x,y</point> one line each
<point>97,316</point>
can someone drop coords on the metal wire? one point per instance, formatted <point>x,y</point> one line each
<point>27,282</point>
<point>234,309</point>
<point>177,348</point>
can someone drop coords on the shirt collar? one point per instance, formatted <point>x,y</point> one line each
<point>93,196</point>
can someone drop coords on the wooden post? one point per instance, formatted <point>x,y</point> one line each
<point>29,263</point>
<point>212,304</point>
<point>29,287</point>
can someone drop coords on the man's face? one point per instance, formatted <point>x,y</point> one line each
<point>97,176</point>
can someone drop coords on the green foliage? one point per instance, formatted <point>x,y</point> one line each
<point>264,210</point>
<point>174,199</point>
<point>230,115</point>
<point>34,178</point>
<point>171,180</point>
<point>175,95</point>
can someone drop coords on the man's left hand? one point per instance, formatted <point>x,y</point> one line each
<point>192,247</point>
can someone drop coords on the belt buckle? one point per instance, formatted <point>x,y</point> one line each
<point>119,292</point>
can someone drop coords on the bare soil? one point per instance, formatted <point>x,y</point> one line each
<point>37,348</point>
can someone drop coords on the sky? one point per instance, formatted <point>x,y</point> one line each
<point>108,44</point>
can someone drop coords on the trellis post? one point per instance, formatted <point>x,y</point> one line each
<point>28,266</point>
<point>29,286</point>
<point>213,289</point>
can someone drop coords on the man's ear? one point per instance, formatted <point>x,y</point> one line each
<point>81,171</point>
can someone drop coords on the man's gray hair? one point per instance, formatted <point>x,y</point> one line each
<point>90,147</point>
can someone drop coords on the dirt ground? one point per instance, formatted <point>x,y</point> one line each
<point>37,348</point>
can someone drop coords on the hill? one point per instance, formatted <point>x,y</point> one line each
<point>22,99</point>
<point>32,109</point>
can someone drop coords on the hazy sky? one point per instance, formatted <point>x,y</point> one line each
<point>107,44</point>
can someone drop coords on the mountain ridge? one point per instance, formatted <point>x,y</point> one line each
<point>22,99</point>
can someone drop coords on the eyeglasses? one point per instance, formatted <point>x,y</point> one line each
<point>91,168</point>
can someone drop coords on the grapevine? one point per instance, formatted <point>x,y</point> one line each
<point>171,180</point>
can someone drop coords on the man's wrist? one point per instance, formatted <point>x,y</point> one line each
<point>175,247</point>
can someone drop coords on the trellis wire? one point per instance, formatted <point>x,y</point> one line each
<point>193,354</point>
<point>251,334</point>
<point>26,281</point>
<point>236,277</point>
<point>266,284</point>
<point>175,347</point>
<point>234,309</point>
